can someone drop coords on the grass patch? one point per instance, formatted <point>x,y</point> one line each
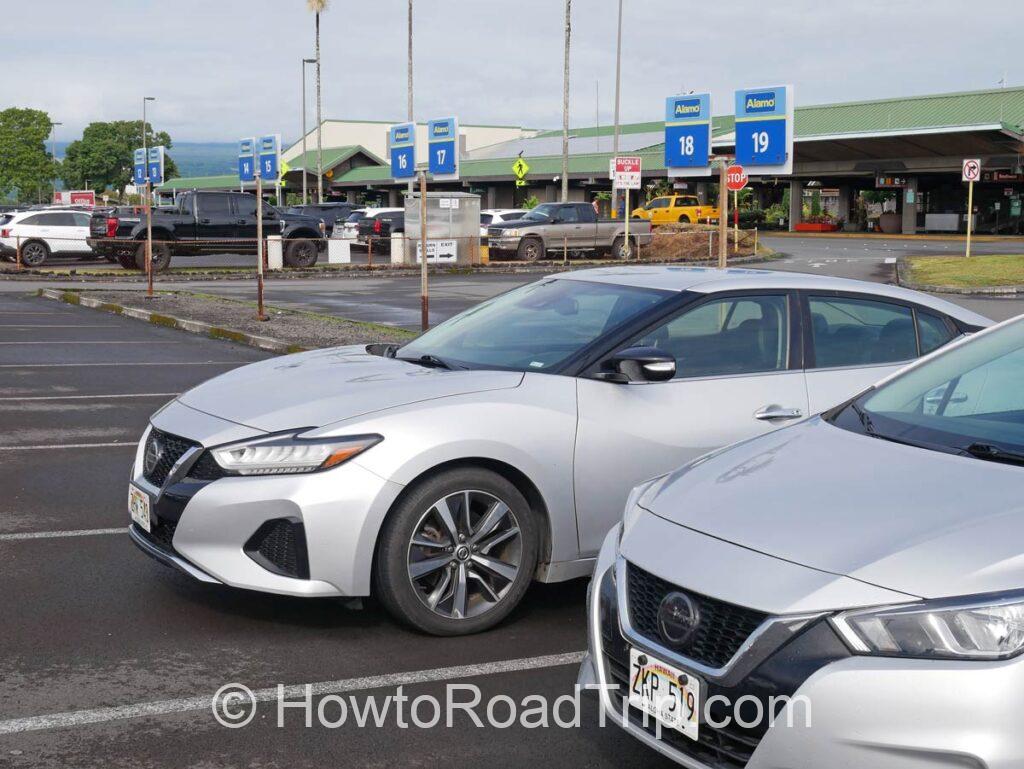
<point>961,272</point>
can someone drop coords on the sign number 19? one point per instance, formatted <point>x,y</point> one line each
<point>760,139</point>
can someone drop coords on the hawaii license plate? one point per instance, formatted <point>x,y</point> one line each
<point>138,506</point>
<point>670,695</point>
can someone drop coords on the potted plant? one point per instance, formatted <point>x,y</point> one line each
<point>817,223</point>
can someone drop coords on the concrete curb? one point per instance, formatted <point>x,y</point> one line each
<point>903,279</point>
<point>169,321</point>
<point>358,271</point>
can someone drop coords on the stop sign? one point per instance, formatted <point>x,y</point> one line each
<point>735,178</point>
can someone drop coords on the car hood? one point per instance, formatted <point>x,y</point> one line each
<point>509,224</point>
<point>321,387</point>
<point>908,519</point>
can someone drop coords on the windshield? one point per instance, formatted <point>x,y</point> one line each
<point>541,213</point>
<point>535,327</point>
<point>970,396</point>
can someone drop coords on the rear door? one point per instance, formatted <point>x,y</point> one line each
<point>854,340</point>
<point>738,375</point>
<point>215,219</point>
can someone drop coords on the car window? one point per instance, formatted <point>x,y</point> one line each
<point>30,220</point>
<point>932,331</point>
<point>858,332</point>
<point>969,396</point>
<point>354,217</point>
<point>245,205</point>
<point>727,336</point>
<point>486,219</point>
<point>81,220</point>
<point>569,214</point>
<point>683,202</point>
<point>214,205</point>
<point>535,327</point>
<point>658,203</point>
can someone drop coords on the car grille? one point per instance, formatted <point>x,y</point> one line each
<point>722,630</point>
<point>171,449</point>
<point>161,533</point>
<point>494,232</point>
<point>279,546</point>
<point>206,468</point>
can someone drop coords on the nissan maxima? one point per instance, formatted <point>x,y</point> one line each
<point>845,592</point>
<point>444,475</point>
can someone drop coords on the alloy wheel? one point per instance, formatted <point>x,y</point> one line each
<point>465,554</point>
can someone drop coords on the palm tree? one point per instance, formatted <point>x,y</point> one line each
<point>317,7</point>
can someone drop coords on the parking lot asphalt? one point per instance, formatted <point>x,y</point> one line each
<point>109,659</point>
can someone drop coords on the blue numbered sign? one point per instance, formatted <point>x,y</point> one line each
<point>688,132</point>
<point>139,170</point>
<point>270,157</point>
<point>247,160</point>
<point>763,127</point>
<point>155,165</point>
<point>402,143</point>
<point>443,148</point>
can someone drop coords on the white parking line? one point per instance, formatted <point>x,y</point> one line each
<point>890,260</point>
<point>75,718</point>
<point>70,446</point>
<point>93,341</point>
<point>60,534</point>
<point>84,397</point>
<point>53,325</point>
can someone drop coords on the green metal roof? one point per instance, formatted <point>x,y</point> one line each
<point>332,157</point>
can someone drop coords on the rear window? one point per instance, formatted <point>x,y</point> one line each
<point>857,332</point>
<point>214,205</point>
<point>486,218</point>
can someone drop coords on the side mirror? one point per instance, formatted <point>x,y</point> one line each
<point>639,364</point>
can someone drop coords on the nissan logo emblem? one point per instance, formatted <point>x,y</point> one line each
<point>154,451</point>
<point>678,618</point>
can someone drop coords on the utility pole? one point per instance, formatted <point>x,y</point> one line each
<point>408,95</point>
<point>149,207</point>
<point>618,85</point>
<point>565,103</point>
<point>304,184</point>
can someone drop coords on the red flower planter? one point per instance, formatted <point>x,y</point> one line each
<point>816,227</point>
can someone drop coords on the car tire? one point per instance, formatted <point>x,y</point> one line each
<point>127,259</point>
<point>301,253</point>
<point>684,219</point>
<point>530,250</point>
<point>619,247</point>
<point>474,570</point>
<point>34,253</point>
<point>161,257</point>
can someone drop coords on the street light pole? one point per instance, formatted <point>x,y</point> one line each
<point>53,155</point>
<point>408,95</point>
<point>565,103</point>
<point>304,184</point>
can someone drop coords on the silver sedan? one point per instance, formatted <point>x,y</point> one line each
<point>444,475</point>
<point>845,592</point>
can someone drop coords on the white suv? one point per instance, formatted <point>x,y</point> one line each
<point>45,232</point>
<point>491,216</point>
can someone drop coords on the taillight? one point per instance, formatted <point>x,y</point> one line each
<point>5,233</point>
<point>112,223</point>
<point>377,226</point>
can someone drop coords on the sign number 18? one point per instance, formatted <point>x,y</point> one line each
<point>760,139</point>
<point>686,145</point>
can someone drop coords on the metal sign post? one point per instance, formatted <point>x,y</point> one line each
<point>736,179</point>
<point>424,287</point>
<point>149,244</point>
<point>971,173</point>
<point>723,214</point>
<point>249,170</point>
<point>626,176</point>
<point>149,165</point>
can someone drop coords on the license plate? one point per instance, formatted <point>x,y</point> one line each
<point>138,506</point>
<point>670,695</point>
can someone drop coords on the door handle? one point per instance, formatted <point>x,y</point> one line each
<point>768,413</point>
<point>204,221</point>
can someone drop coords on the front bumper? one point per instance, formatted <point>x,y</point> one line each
<point>204,528</point>
<point>503,244</point>
<point>863,711</point>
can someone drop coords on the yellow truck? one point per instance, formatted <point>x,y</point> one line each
<point>669,209</point>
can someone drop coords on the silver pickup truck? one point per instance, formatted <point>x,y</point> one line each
<point>573,226</point>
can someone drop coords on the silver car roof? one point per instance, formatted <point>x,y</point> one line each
<point>710,280</point>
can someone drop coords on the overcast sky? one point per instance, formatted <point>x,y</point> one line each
<point>221,69</point>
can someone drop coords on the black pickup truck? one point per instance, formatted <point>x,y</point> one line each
<point>204,223</point>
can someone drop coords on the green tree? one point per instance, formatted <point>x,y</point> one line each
<point>103,155</point>
<point>25,166</point>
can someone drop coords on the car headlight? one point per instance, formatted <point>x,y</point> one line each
<point>510,234</point>
<point>977,628</point>
<point>287,454</point>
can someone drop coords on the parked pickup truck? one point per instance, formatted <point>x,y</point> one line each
<point>204,223</point>
<point>554,226</point>
<point>669,209</point>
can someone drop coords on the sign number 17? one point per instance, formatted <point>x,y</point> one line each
<point>441,154</point>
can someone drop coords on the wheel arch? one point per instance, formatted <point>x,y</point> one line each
<point>509,472</point>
